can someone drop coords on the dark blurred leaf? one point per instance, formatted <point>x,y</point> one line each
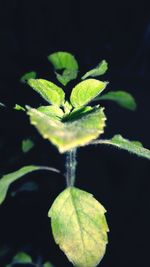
<point>26,187</point>
<point>7,179</point>
<point>27,145</point>
<point>122,98</point>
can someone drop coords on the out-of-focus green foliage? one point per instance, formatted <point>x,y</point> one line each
<point>27,145</point>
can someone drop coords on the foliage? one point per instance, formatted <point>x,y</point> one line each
<point>78,219</point>
<point>22,258</point>
<point>8,179</point>
<point>27,145</point>
<point>77,216</point>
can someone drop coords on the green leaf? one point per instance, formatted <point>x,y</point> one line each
<point>22,257</point>
<point>79,227</point>
<point>9,178</point>
<point>122,98</point>
<point>52,111</point>
<point>66,62</point>
<point>78,113</point>
<point>47,264</point>
<point>72,134</point>
<point>86,91</point>
<point>66,76</point>
<point>27,76</point>
<point>134,147</point>
<point>63,60</point>
<point>99,70</point>
<point>27,145</point>
<point>67,107</point>
<point>48,90</point>
<point>18,107</point>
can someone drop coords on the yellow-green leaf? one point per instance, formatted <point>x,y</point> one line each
<point>79,227</point>
<point>48,90</point>
<point>86,91</point>
<point>70,134</point>
<point>134,147</point>
<point>66,76</point>
<point>52,111</point>
<point>18,107</point>
<point>99,70</point>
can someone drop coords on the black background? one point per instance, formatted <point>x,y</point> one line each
<point>92,31</point>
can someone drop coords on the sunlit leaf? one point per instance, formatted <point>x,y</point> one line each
<point>48,90</point>
<point>27,76</point>
<point>18,107</point>
<point>63,60</point>
<point>67,63</point>
<point>9,178</point>
<point>99,70</point>
<point>52,111</point>
<point>122,98</point>
<point>67,107</point>
<point>79,227</point>
<point>22,258</point>
<point>66,76</point>
<point>134,147</point>
<point>27,145</point>
<point>70,134</point>
<point>86,91</point>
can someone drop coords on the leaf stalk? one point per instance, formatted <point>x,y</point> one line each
<point>71,164</point>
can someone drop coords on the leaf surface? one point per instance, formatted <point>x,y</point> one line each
<point>122,98</point>
<point>86,91</point>
<point>70,134</point>
<point>134,147</point>
<point>9,178</point>
<point>79,227</point>
<point>19,108</point>
<point>99,70</point>
<point>66,62</point>
<point>22,258</point>
<point>27,145</point>
<point>63,60</point>
<point>48,90</point>
<point>52,111</point>
<point>27,76</point>
<point>66,76</point>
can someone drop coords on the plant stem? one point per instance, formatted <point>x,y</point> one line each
<point>71,164</point>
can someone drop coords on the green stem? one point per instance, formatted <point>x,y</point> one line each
<point>71,164</point>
